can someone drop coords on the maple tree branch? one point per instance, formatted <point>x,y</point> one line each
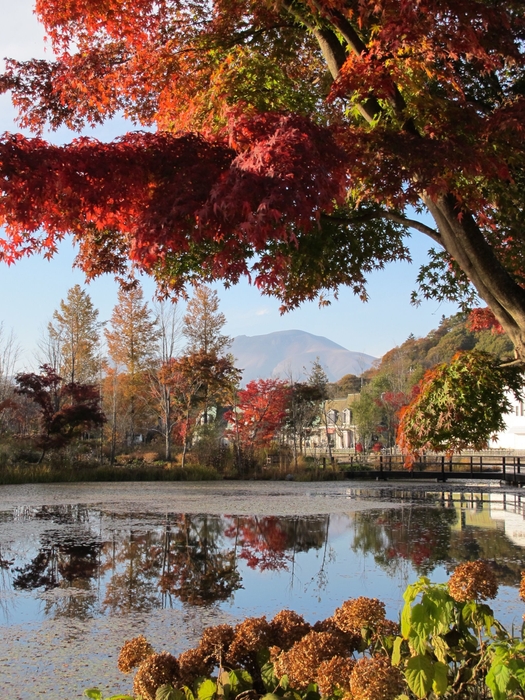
<point>391,216</point>
<point>335,57</point>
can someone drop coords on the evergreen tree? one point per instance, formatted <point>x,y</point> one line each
<point>203,323</point>
<point>132,346</point>
<point>74,335</point>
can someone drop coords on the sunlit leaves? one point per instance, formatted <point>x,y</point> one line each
<point>459,405</point>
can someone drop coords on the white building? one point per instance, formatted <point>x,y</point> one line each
<point>513,437</point>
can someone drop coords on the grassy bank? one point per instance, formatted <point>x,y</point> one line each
<point>45,474</point>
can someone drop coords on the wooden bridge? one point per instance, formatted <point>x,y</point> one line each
<point>510,469</point>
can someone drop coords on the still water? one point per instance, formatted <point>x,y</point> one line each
<point>84,567</point>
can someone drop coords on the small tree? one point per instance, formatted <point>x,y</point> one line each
<point>65,409</point>
<point>260,412</point>
<point>191,379</point>
<point>458,406</point>
<point>169,328</point>
<point>203,323</point>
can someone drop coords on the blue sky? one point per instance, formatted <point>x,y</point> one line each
<point>33,288</point>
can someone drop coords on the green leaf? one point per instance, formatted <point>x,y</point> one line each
<point>441,649</point>
<point>168,692</point>
<point>406,620</point>
<point>188,692</point>
<point>284,682</point>
<point>207,690</point>
<point>93,693</point>
<point>419,675</point>
<point>312,692</point>
<point>240,681</point>
<point>417,643</point>
<point>422,617</point>
<point>440,682</point>
<point>498,679</point>
<point>268,676</point>
<point>396,652</point>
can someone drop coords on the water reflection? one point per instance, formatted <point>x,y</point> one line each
<point>84,562</point>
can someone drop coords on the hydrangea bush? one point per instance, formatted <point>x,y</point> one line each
<point>448,645</point>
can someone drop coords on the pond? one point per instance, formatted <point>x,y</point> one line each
<point>84,567</point>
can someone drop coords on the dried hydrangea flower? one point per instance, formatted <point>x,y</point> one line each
<point>376,679</point>
<point>288,627</point>
<point>156,670</point>
<point>354,615</point>
<point>133,653</point>
<point>216,640</point>
<point>192,664</point>
<point>522,586</point>
<point>251,635</point>
<point>300,663</point>
<point>334,674</point>
<point>473,580</point>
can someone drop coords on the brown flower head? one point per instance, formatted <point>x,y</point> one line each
<point>376,679</point>
<point>216,640</point>
<point>251,635</point>
<point>354,615</point>
<point>473,580</point>
<point>334,674</point>
<point>288,627</point>
<point>156,670</point>
<point>522,586</point>
<point>133,653</point>
<point>192,664</point>
<point>301,662</point>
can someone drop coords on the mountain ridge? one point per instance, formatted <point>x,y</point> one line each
<point>285,354</point>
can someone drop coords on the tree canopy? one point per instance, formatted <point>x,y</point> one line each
<point>298,142</point>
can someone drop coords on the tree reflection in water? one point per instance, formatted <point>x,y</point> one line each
<point>91,562</point>
<point>418,535</point>
<point>196,567</point>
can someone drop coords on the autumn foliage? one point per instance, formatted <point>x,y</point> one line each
<point>258,414</point>
<point>65,409</point>
<point>458,405</point>
<point>291,138</point>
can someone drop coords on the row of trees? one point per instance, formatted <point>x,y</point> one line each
<point>170,380</point>
<point>158,377</point>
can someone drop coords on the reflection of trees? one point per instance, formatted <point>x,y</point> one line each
<point>421,536</point>
<point>196,567</point>
<point>65,559</point>
<point>271,543</point>
<point>135,564</point>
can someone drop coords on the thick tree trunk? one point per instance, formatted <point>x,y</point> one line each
<point>461,236</point>
<point>463,240</point>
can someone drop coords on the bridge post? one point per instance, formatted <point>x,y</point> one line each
<point>381,463</point>
<point>471,464</point>
<point>503,465</point>
<point>443,466</point>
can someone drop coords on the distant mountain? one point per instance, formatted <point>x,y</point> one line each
<point>291,353</point>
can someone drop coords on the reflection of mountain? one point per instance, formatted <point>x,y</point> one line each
<point>291,353</point>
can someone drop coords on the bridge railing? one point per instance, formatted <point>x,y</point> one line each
<point>475,464</point>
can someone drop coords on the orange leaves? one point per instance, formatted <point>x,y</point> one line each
<point>484,319</point>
